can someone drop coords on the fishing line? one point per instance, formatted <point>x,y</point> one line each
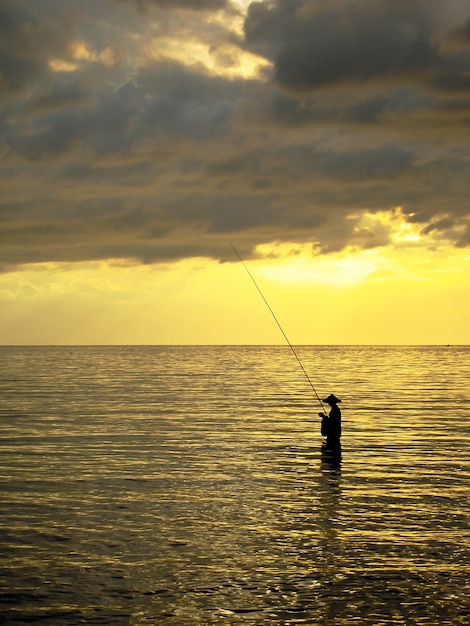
<point>279,325</point>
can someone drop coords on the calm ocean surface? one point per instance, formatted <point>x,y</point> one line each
<point>187,486</point>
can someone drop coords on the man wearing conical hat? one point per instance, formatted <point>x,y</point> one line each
<point>331,424</point>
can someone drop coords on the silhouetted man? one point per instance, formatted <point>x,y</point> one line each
<point>331,424</point>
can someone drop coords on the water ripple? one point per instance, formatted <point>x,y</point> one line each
<point>187,485</point>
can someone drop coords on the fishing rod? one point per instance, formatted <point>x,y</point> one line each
<point>279,325</point>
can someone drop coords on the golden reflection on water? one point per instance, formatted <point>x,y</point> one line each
<point>189,486</point>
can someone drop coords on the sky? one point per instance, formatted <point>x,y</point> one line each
<point>327,140</point>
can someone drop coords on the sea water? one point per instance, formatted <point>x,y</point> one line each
<point>188,486</point>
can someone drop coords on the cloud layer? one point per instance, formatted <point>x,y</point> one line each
<point>154,130</point>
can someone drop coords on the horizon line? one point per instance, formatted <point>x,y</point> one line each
<point>228,345</point>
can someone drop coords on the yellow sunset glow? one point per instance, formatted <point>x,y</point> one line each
<point>375,296</point>
<point>60,65</point>
<point>225,60</point>
<point>80,52</point>
<point>347,268</point>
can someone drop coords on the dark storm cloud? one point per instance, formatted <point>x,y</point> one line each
<point>112,147</point>
<point>185,102</point>
<point>314,45</point>
<point>56,133</point>
<point>193,5</point>
<point>385,162</point>
<point>27,43</point>
<point>165,101</point>
<point>58,96</point>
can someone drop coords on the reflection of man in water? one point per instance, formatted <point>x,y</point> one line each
<point>331,424</point>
